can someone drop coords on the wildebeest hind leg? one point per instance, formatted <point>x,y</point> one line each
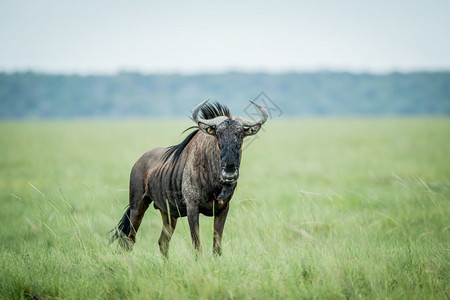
<point>137,211</point>
<point>169,224</point>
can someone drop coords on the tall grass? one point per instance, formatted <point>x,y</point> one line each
<point>323,209</point>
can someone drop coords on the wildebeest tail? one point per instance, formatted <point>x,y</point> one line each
<point>123,228</point>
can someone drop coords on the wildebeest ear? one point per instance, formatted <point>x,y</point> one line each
<point>251,130</point>
<point>209,129</point>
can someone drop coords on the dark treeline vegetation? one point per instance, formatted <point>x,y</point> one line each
<point>38,95</point>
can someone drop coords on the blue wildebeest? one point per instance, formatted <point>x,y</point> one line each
<point>199,175</point>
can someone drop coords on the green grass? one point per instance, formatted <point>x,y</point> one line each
<point>325,209</point>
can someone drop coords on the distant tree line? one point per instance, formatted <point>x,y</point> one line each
<point>38,95</point>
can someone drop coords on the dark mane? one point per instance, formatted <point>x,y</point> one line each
<point>208,111</point>
<point>213,110</point>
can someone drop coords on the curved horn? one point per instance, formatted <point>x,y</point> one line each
<point>197,109</point>
<point>208,122</point>
<point>262,120</point>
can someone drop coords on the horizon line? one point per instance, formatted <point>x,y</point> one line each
<point>224,71</point>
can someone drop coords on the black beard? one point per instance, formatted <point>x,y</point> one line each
<point>227,191</point>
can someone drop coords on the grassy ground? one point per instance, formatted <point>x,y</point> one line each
<point>324,209</point>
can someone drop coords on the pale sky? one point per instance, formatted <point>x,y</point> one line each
<point>106,36</point>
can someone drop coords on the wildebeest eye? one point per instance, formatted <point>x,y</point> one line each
<point>209,129</point>
<point>251,130</point>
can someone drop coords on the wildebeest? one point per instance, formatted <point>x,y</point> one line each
<point>199,175</point>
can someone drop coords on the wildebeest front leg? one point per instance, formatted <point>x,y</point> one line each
<point>193,220</point>
<point>219,223</point>
<point>166,233</point>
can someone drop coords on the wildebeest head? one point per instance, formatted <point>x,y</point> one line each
<point>230,133</point>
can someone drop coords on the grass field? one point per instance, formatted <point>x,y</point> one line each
<point>324,209</point>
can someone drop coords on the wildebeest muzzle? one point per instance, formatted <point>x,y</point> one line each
<point>230,175</point>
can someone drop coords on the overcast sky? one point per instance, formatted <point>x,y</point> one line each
<point>210,36</point>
